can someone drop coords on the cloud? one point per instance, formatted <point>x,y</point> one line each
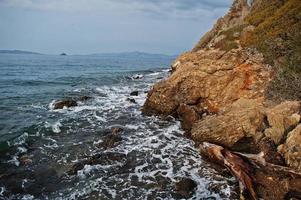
<point>185,9</point>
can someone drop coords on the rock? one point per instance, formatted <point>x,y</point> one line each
<point>242,119</point>
<point>64,104</point>
<point>134,93</point>
<point>188,116</point>
<point>271,155</point>
<point>111,140</point>
<point>84,98</point>
<point>116,130</point>
<point>185,187</point>
<point>210,80</point>
<point>137,76</point>
<point>281,118</point>
<point>26,159</point>
<point>291,149</point>
<point>131,100</point>
<point>259,178</point>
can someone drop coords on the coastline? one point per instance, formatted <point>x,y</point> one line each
<point>218,92</point>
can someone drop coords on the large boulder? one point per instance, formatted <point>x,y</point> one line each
<point>242,119</point>
<point>281,118</point>
<point>291,149</point>
<point>67,103</point>
<point>210,80</point>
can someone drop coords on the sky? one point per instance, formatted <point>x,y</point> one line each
<point>106,26</point>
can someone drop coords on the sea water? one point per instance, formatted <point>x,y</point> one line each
<point>154,152</point>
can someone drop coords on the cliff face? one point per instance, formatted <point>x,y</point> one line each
<point>218,90</point>
<point>216,72</point>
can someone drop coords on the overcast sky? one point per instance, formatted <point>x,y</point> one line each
<point>99,26</point>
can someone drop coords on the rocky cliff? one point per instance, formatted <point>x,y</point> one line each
<point>221,89</point>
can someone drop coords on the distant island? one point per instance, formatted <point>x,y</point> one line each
<point>18,52</point>
<point>134,54</point>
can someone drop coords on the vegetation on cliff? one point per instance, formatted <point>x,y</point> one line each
<point>277,34</point>
<point>273,27</point>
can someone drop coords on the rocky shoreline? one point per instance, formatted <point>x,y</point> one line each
<point>219,94</point>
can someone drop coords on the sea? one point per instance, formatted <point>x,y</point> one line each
<point>39,145</point>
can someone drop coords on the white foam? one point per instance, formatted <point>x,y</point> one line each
<point>51,104</point>
<point>154,74</point>
<point>28,197</point>
<point>165,70</point>
<point>14,160</point>
<point>99,118</point>
<point>20,140</point>
<point>22,150</point>
<point>56,127</point>
<point>132,126</point>
<point>51,146</point>
<point>87,170</point>
<point>2,190</point>
<point>24,181</point>
<point>137,76</point>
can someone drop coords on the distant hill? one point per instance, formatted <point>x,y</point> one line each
<point>17,52</point>
<point>135,54</point>
<point>127,55</point>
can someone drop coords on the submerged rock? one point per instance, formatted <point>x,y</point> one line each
<point>134,93</point>
<point>185,187</point>
<point>84,98</point>
<point>26,159</point>
<point>112,140</point>
<point>64,104</point>
<point>131,100</point>
<point>137,76</point>
<point>72,102</point>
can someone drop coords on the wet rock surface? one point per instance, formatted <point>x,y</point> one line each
<point>185,187</point>
<point>64,104</point>
<point>131,100</point>
<point>112,139</point>
<point>134,93</point>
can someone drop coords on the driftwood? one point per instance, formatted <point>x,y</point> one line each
<point>256,177</point>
